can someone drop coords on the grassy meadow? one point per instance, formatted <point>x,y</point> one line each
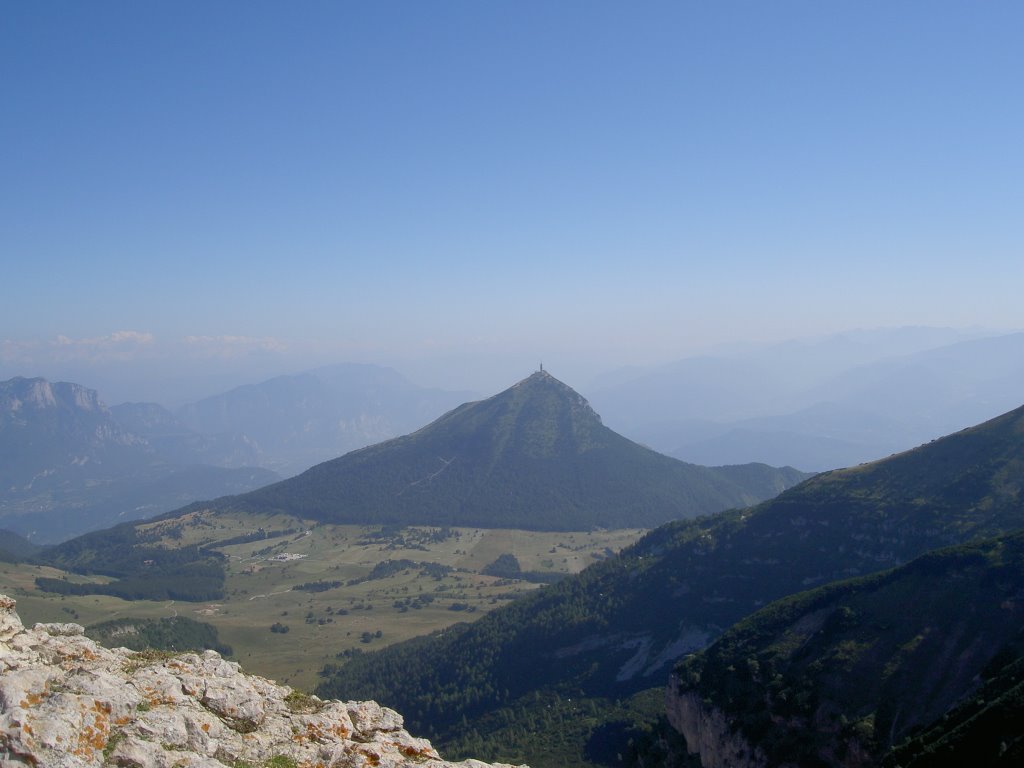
<point>433,581</point>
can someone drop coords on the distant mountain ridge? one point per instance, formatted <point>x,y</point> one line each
<point>45,424</point>
<point>818,404</point>
<point>534,456</point>
<point>294,422</point>
<point>174,441</point>
<point>67,465</point>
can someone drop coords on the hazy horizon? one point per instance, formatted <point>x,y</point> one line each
<point>174,376</point>
<point>199,196</point>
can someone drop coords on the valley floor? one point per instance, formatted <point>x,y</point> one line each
<point>330,591</point>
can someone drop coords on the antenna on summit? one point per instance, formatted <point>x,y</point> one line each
<point>542,367</point>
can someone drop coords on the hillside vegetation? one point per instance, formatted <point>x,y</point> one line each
<point>616,628</point>
<point>175,633</point>
<point>853,668</point>
<point>984,729</point>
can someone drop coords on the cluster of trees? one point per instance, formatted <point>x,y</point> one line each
<point>416,603</point>
<point>389,568</point>
<point>404,537</point>
<point>317,586</point>
<point>506,566</point>
<point>549,729</point>
<point>190,584</point>
<point>258,535</point>
<point>177,633</point>
<point>142,570</point>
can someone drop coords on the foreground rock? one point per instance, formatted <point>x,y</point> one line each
<point>66,702</point>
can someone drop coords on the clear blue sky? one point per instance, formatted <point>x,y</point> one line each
<point>588,181</point>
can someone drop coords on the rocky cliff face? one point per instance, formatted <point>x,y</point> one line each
<point>66,702</point>
<point>708,733</point>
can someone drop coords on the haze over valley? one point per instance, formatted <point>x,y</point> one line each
<point>566,384</point>
<point>811,404</point>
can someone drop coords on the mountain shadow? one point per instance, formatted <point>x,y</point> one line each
<point>841,674</point>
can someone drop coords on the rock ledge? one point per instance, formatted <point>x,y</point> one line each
<point>66,702</point>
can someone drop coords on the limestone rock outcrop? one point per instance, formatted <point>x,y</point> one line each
<point>66,702</point>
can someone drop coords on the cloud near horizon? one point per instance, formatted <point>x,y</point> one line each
<point>107,342</point>
<point>120,345</point>
<point>127,345</point>
<point>234,346</point>
<point>133,345</point>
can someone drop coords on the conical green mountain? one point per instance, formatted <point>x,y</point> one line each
<point>535,456</point>
<point>617,627</point>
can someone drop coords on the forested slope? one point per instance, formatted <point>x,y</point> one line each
<point>617,627</point>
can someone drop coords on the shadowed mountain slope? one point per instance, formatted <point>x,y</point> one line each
<point>986,728</point>
<point>846,671</point>
<point>534,456</point>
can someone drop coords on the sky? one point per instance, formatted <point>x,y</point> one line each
<point>193,193</point>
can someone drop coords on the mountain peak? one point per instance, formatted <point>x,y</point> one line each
<point>541,377</point>
<point>533,456</point>
<point>541,381</point>
<point>19,392</point>
<point>38,394</point>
